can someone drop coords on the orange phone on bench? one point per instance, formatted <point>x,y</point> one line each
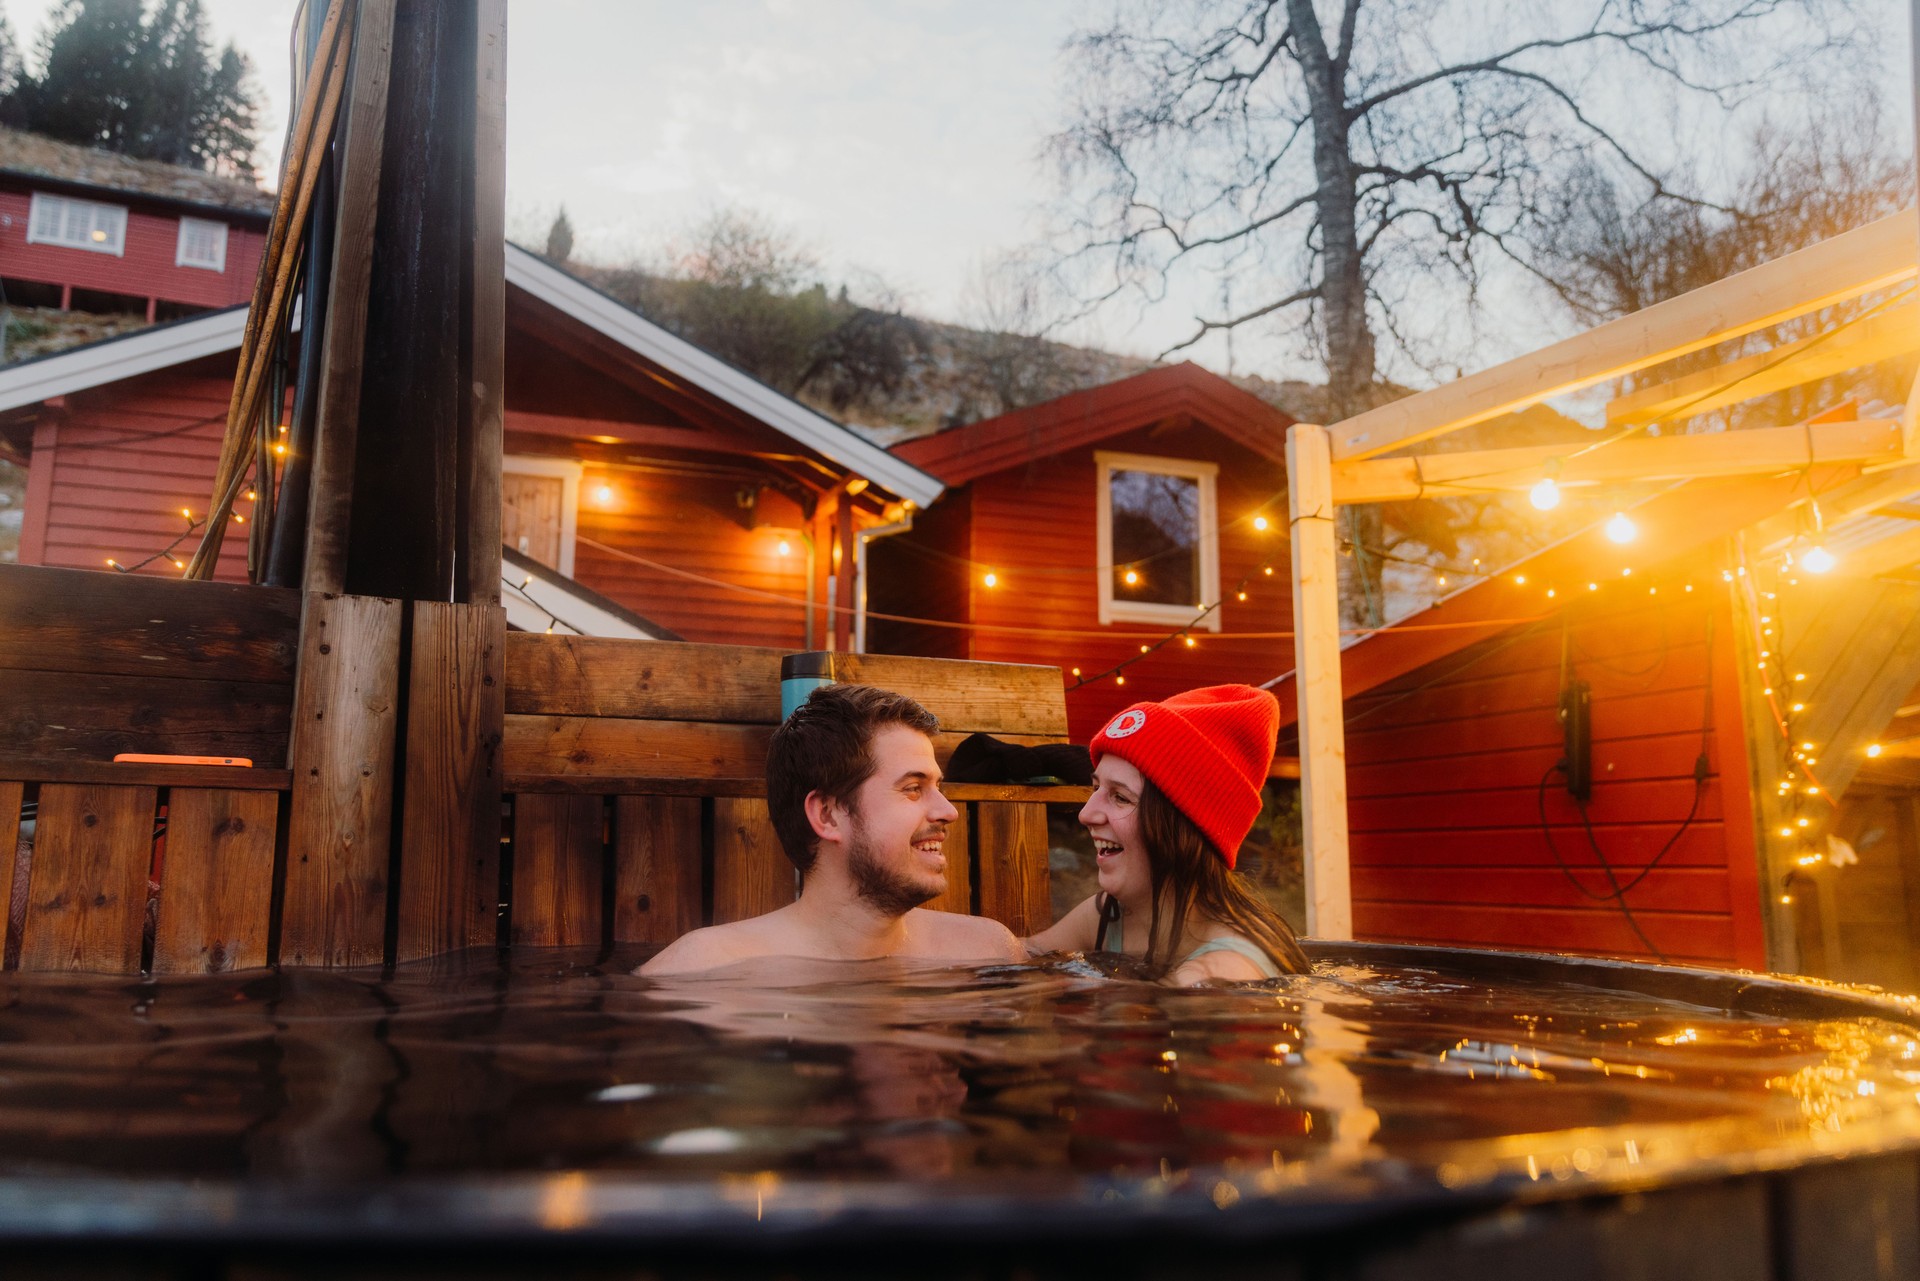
<point>145,758</point>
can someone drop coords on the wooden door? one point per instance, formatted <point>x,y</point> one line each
<point>531,508</point>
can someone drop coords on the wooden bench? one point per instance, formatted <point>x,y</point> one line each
<point>634,805</point>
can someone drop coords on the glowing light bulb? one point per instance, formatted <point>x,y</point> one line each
<point>1269,571</point>
<point>1191,642</point>
<point>1143,649</point>
<point>1545,495</point>
<point>1442,580</point>
<point>1260,523</point>
<point>1130,578</point>
<point>1874,749</point>
<point>1818,560</point>
<point>279,449</point>
<point>1520,580</point>
<point>111,561</point>
<point>1243,595</point>
<point>1076,671</point>
<point>1786,831</point>
<point>991,579</point>
<point>187,513</point>
<point>1622,530</point>
<point>784,548</point>
<point>1119,680</point>
<point>603,495</point>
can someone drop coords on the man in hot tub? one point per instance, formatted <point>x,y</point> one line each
<point>854,792</point>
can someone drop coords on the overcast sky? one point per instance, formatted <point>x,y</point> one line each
<point>899,138</point>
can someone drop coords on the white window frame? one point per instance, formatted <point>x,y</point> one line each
<point>1133,611</point>
<point>569,470</point>
<point>219,262</point>
<point>48,211</point>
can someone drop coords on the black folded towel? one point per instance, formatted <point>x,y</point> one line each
<point>981,758</point>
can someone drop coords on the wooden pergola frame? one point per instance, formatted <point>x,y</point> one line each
<point>1328,466</point>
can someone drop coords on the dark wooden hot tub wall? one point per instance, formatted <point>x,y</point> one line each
<point>633,804</point>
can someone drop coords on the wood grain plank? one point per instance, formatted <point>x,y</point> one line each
<point>968,697</point>
<point>11,794</point>
<point>558,870</point>
<point>619,785</point>
<point>107,624</point>
<point>487,275</point>
<point>74,714</point>
<point>358,153</point>
<point>1011,841</point>
<point>87,894</point>
<point>959,893</point>
<point>751,873</point>
<point>339,833</point>
<point>450,828</point>
<point>657,868</point>
<point>44,769</point>
<point>216,894</point>
<point>646,680</point>
<point>613,747</point>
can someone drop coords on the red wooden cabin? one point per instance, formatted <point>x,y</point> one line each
<point>670,484</point>
<point>1048,510</point>
<point>90,229</point>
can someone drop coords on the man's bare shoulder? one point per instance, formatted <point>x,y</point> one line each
<point>713,947</point>
<point>957,937</point>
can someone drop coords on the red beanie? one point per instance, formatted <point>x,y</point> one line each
<point>1207,750</point>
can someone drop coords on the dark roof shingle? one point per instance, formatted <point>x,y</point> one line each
<point>33,156</point>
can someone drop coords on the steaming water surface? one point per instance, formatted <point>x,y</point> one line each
<point>754,1083</point>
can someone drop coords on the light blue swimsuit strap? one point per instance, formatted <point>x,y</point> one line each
<point>1239,947</point>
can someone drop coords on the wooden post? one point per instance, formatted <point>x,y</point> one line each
<point>1316,651</point>
<point>843,586</point>
<point>486,383</point>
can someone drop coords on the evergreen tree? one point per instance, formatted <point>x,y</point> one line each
<point>144,84</point>
<point>560,238</point>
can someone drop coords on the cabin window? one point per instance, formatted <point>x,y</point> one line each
<point>77,224</point>
<point>1159,545</point>
<point>203,243</point>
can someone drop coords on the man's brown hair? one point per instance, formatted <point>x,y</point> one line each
<point>826,746</point>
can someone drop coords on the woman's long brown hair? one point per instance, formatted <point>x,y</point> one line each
<point>1192,876</point>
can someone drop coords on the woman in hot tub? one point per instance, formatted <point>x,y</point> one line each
<point>1177,786</point>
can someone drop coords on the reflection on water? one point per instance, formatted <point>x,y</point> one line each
<point>957,1077</point>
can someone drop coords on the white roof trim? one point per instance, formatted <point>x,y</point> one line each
<point>109,361</point>
<point>639,335</point>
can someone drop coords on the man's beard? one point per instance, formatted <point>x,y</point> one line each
<point>881,887</point>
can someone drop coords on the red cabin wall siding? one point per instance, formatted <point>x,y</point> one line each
<point>146,270</point>
<point>1444,770</point>
<point>694,526</point>
<point>1034,525</point>
<point>125,460</point>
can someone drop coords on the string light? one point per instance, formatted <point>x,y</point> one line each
<point>1131,577</point>
<point>1874,749</point>
<point>1545,495</point>
<point>1621,529</point>
<point>990,578</point>
<point>785,548</point>
<point>1260,523</point>
<point>1818,560</point>
<point>603,495</point>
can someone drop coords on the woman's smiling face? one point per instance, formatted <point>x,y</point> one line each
<point>1112,816</point>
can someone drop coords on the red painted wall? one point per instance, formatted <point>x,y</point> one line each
<point>1444,768</point>
<point>693,526</point>
<point>1034,525</point>
<point>146,270</point>
<point>108,479</point>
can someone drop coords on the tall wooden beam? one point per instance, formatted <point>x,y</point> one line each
<point>1316,649</point>
<point>1762,452</point>
<point>1893,332</point>
<point>1872,257</point>
<point>488,334</point>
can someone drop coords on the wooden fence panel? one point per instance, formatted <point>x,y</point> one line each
<point>334,908</point>
<point>450,842</point>
<point>969,698</point>
<point>1012,841</point>
<point>87,893</point>
<point>11,796</point>
<point>559,863</point>
<point>105,624</point>
<point>643,680</point>
<point>656,871</point>
<point>216,889</point>
<point>959,895</point>
<point>617,748</point>
<point>93,717</point>
<point>751,873</point>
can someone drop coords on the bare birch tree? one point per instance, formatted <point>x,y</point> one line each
<point>1354,169</point>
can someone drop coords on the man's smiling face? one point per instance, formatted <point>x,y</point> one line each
<point>897,830</point>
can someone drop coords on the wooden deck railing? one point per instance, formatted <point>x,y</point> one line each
<point>634,804</point>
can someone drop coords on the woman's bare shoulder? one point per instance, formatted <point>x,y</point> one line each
<point>1074,932</point>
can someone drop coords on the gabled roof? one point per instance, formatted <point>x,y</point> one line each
<point>31,156</point>
<point>178,342</point>
<point>960,454</point>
